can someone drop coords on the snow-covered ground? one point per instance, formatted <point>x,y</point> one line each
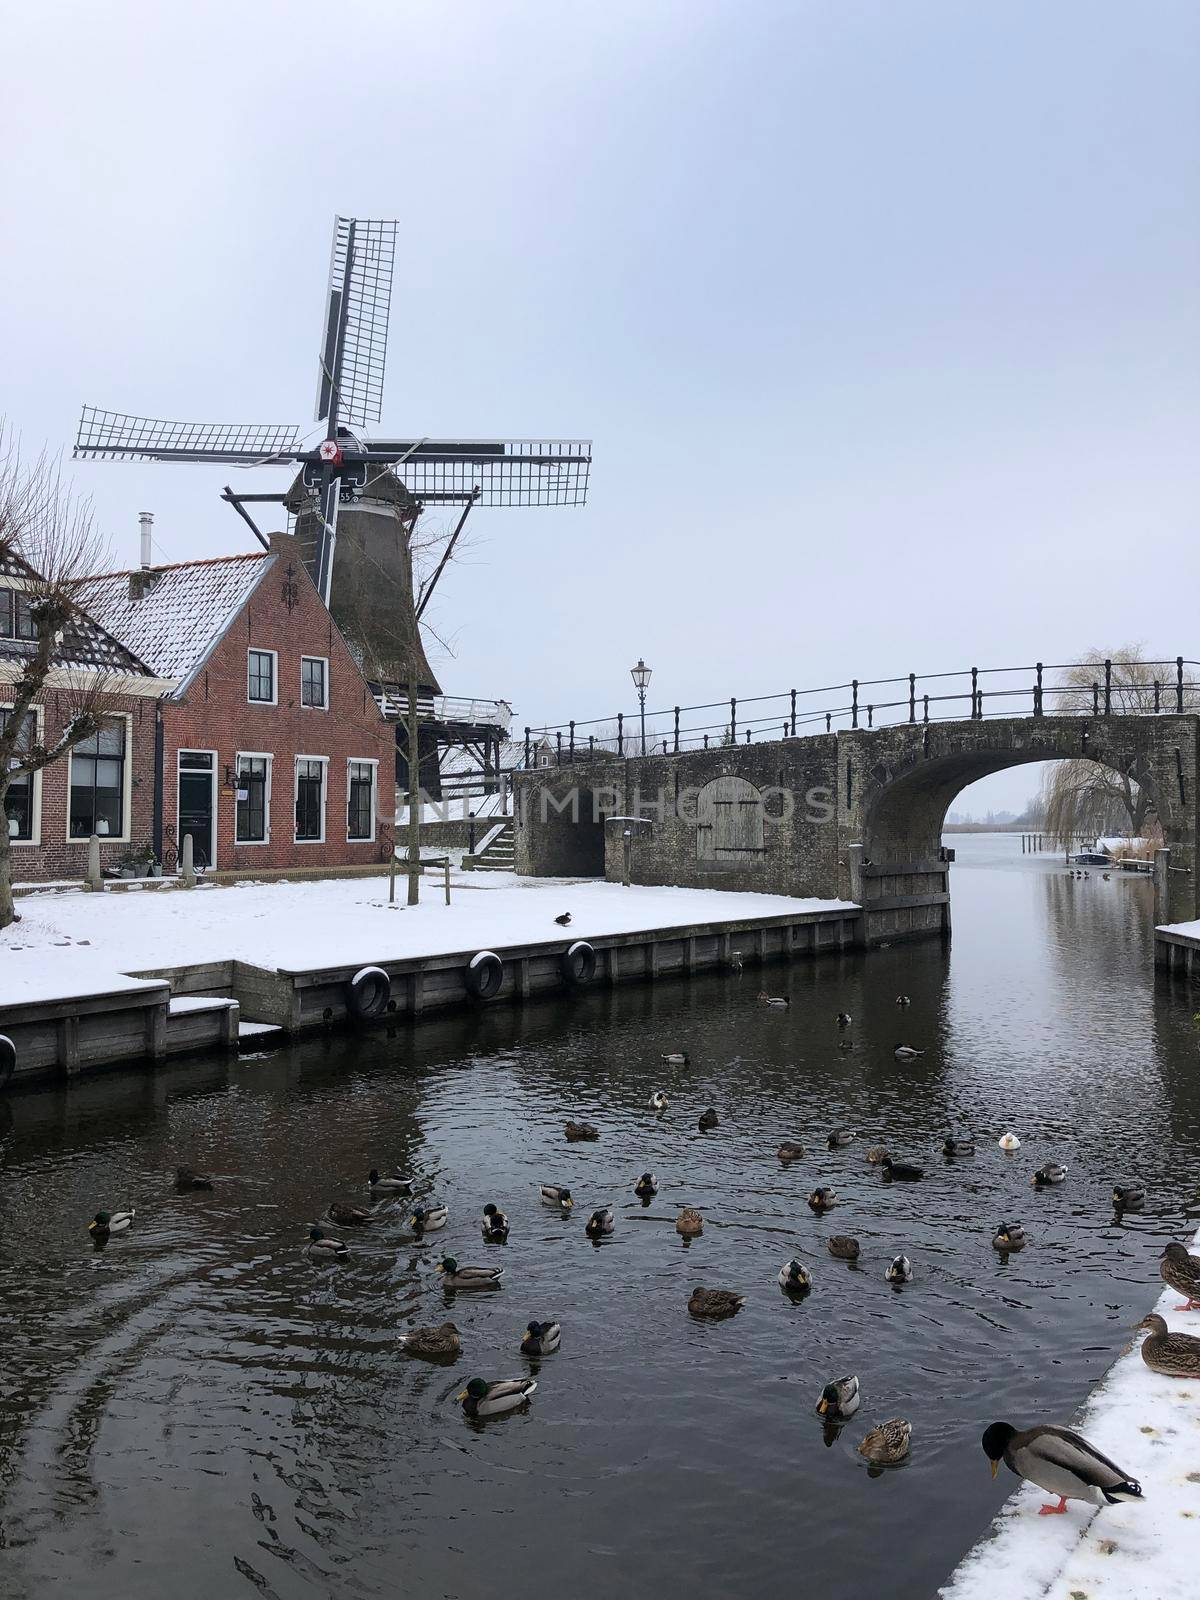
<point>66,943</point>
<point>1190,930</point>
<point>1144,1550</point>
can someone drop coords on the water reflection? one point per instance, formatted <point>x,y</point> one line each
<point>201,1395</point>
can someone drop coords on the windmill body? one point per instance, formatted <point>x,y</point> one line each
<point>356,499</point>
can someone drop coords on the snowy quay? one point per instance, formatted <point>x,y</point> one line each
<point>153,972</point>
<point>1177,950</point>
<point>1143,1550</point>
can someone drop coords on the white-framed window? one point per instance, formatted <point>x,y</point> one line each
<point>99,781</point>
<point>314,682</point>
<point>23,801</point>
<point>17,620</point>
<point>253,821</point>
<point>261,677</point>
<point>360,800</point>
<point>311,774</point>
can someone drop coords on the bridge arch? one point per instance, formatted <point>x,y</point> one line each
<point>902,781</point>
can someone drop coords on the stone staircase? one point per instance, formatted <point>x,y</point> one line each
<point>497,850</point>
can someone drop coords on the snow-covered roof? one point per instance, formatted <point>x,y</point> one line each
<point>84,644</point>
<point>1121,844</point>
<point>182,610</point>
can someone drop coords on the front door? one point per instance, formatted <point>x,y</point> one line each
<point>197,772</point>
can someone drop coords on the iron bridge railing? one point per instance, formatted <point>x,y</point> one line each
<point>1118,688</point>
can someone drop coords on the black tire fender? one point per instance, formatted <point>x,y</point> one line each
<point>368,993</point>
<point>578,963</point>
<point>484,975</point>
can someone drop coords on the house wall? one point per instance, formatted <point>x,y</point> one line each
<point>283,614</point>
<point>52,855</point>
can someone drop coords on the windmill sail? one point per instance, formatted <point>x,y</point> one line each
<point>358,304</point>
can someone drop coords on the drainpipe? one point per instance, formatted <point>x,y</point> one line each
<point>146,523</point>
<point>156,826</point>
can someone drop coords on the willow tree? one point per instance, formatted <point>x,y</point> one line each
<point>48,546</point>
<point>1085,798</point>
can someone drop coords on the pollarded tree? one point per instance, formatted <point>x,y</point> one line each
<point>1083,798</point>
<point>48,546</point>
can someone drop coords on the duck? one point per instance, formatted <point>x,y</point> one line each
<point>428,1219</point>
<point>323,1246</point>
<point>658,1101</point>
<point>844,1019</point>
<point>789,1150</point>
<point>565,920</point>
<point>840,1137</point>
<point>348,1216</point>
<point>877,1155</point>
<point>689,1224</point>
<point>435,1344</point>
<point>795,1277</point>
<point>715,1303</point>
<point>483,1399</point>
<point>1009,1142</point>
<point>1181,1272</point>
<point>840,1399</point>
<point>581,1130</point>
<point>845,1044</point>
<point>381,1186</point>
<point>600,1224</point>
<point>903,1000</point>
<point>958,1147</point>
<point>646,1186</point>
<point>1009,1236</point>
<point>900,1271</point>
<point>1061,1462</point>
<point>495,1225</point>
<point>821,1199</point>
<point>905,1052</point>
<point>456,1277</point>
<point>187,1181</point>
<point>1128,1196</point>
<point>541,1338</point>
<point>554,1194</point>
<point>708,1119</point>
<point>780,1001</point>
<point>1176,1355</point>
<point>903,1170</point>
<point>844,1247</point>
<point>676,1058</point>
<point>1051,1172</point>
<point>106,1223</point>
<point>1106,876</point>
<point>887,1444</point>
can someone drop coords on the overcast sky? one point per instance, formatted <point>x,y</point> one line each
<point>882,316</point>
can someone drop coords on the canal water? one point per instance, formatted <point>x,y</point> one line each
<point>199,1411</point>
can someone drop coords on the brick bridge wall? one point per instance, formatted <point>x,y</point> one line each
<point>854,815</point>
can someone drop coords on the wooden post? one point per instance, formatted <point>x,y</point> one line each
<point>447,865</point>
<point>414,794</point>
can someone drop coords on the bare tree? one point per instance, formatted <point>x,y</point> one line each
<point>1083,798</point>
<point>48,546</point>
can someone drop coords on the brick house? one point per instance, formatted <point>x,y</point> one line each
<point>105,784</point>
<point>272,752</point>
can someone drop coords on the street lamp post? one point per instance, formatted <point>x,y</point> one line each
<point>641,677</point>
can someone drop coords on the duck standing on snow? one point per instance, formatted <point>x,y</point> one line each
<point>1061,1462</point>
<point>495,1225</point>
<point>541,1338</point>
<point>1181,1272</point>
<point>839,1399</point>
<point>483,1399</point>
<point>564,920</point>
<point>905,1052</point>
<point>1175,1355</point>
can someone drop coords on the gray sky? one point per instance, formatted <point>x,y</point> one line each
<point>882,316</point>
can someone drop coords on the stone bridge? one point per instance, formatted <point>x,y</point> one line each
<point>851,815</point>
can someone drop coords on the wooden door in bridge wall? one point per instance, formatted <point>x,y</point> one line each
<point>729,821</point>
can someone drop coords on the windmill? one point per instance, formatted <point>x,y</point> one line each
<point>378,485</point>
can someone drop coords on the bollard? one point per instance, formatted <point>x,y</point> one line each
<point>188,869</point>
<point>447,866</point>
<point>93,881</point>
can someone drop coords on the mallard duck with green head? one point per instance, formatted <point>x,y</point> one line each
<point>839,1399</point>
<point>1061,1462</point>
<point>541,1338</point>
<point>456,1277</point>
<point>483,1399</point>
<point>105,1223</point>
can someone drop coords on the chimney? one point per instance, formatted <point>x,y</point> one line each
<point>146,520</point>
